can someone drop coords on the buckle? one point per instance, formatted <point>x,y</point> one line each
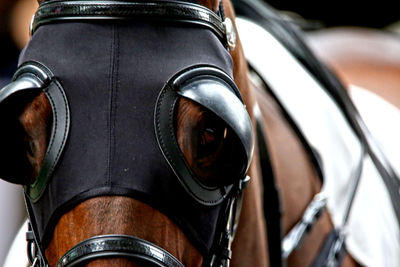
<point>230,34</point>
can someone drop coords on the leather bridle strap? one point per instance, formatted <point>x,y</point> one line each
<point>118,246</point>
<point>272,205</point>
<point>294,239</point>
<point>174,11</point>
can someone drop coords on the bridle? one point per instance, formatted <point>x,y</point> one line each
<point>123,245</point>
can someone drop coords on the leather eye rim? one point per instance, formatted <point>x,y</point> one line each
<point>207,144</point>
<point>219,94</point>
<point>34,77</point>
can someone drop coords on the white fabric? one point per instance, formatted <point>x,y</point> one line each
<point>372,232</point>
<point>380,117</point>
<point>12,214</point>
<point>16,256</point>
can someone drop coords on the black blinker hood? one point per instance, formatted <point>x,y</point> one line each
<point>115,77</point>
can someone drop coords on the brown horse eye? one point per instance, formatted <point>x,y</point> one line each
<point>29,146</point>
<point>208,136</point>
<point>208,144</point>
<point>211,135</point>
<point>202,140</point>
<point>210,141</point>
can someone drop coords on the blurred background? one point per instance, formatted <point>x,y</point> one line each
<point>376,14</point>
<point>15,16</point>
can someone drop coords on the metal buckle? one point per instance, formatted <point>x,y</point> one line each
<point>230,33</point>
<point>34,263</point>
<point>31,25</point>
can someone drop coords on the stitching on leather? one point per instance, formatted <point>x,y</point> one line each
<point>53,136</point>
<point>121,9</point>
<point>65,135</point>
<point>110,104</point>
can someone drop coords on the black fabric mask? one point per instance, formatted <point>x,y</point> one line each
<point>122,81</point>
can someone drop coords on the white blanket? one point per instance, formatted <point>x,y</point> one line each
<point>372,232</point>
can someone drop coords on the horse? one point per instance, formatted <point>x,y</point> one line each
<point>158,173</point>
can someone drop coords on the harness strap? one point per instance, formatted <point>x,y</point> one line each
<point>223,253</point>
<point>294,238</point>
<point>35,252</point>
<point>272,207</point>
<point>332,252</point>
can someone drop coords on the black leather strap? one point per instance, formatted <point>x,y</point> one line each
<point>272,205</point>
<point>332,252</point>
<point>175,11</point>
<point>118,246</point>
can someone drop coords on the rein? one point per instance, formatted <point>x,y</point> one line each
<point>122,245</point>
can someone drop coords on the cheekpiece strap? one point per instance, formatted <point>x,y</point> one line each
<point>34,252</point>
<point>223,254</point>
<point>174,11</point>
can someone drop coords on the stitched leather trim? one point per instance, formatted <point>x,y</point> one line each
<point>174,11</point>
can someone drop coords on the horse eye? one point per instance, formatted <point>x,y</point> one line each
<point>212,135</point>
<point>29,146</point>
<point>205,141</point>
<point>208,136</point>
<point>211,138</point>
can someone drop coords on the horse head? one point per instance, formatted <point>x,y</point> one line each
<point>131,138</point>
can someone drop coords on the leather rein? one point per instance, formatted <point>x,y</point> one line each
<point>123,245</point>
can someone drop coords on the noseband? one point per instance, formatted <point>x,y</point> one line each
<point>168,11</point>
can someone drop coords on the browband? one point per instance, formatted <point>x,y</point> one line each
<point>174,11</point>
